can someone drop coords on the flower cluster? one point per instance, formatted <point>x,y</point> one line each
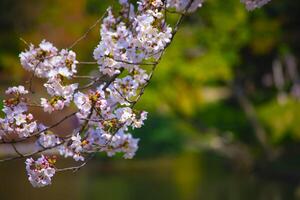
<point>93,100</point>
<point>73,148</point>
<point>40,171</point>
<point>253,4</point>
<point>48,139</point>
<point>61,95</point>
<point>106,119</point>
<point>120,142</point>
<point>181,5</point>
<point>17,120</point>
<point>46,61</point>
<point>16,90</point>
<point>125,44</point>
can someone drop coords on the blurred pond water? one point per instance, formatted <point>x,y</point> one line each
<point>185,177</point>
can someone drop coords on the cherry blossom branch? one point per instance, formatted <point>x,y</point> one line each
<point>133,39</point>
<point>150,76</point>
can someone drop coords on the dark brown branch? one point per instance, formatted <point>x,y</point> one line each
<point>16,150</point>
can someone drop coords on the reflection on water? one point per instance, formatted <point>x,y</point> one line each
<point>185,177</point>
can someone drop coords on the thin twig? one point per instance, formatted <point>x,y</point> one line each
<point>76,168</point>
<point>87,63</point>
<point>16,150</point>
<point>84,77</point>
<point>88,31</point>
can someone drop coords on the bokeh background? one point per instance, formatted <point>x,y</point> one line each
<point>223,105</point>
